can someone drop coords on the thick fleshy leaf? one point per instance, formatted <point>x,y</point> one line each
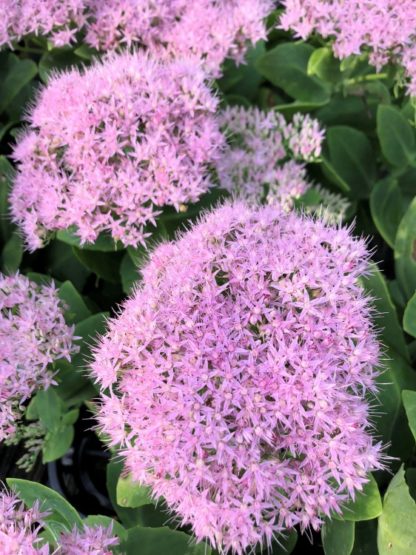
<point>338,537</point>
<point>387,208</point>
<point>409,402</point>
<point>77,310</point>
<point>391,422</point>
<point>49,407</point>
<point>409,318</point>
<point>286,66</point>
<point>89,330</point>
<point>62,515</point>
<point>350,155</point>
<point>397,138</point>
<point>366,506</point>
<point>155,541</point>
<point>405,251</point>
<point>386,319</point>
<point>131,494</point>
<point>57,443</point>
<point>14,75</point>
<point>396,525</point>
<point>12,254</point>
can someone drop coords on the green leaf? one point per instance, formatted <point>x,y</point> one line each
<point>57,443</point>
<point>396,525</point>
<point>286,66</point>
<point>74,387</point>
<point>31,412</point>
<point>106,521</point>
<point>324,65</point>
<point>350,155</point>
<point>391,424</point>
<point>77,309</point>
<point>387,208</point>
<point>388,320</point>
<point>57,60</point>
<point>104,243</point>
<point>405,251</point>
<point>367,504</point>
<point>49,407</point>
<point>129,273</point>
<point>338,537</point>
<point>13,77</point>
<point>285,544</point>
<point>365,542</point>
<point>63,264</point>
<point>12,254</point>
<point>129,517</point>
<point>89,330</point>
<point>6,172</point>
<point>70,417</point>
<point>409,318</point>
<point>409,402</point>
<point>157,541</point>
<point>61,515</point>
<point>86,52</point>
<point>131,494</point>
<point>396,136</point>
<point>104,264</point>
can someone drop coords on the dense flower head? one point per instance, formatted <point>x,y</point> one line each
<point>33,334</point>
<point>59,20</point>
<point>108,147</point>
<point>384,28</point>
<point>20,527</point>
<point>264,156</point>
<point>235,378</point>
<point>212,30</point>
<point>91,540</point>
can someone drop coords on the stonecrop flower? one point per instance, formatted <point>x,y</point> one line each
<point>235,378</point>
<point>33,334</point>
<point>20,529</point>
<point>265,156</point>
<point>58,20</point>
<point>108,147</point>
<point>92,540</point>
<point>384,28</point>
<point>208,29</point>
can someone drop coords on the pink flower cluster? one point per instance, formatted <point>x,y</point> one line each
<point>263,159</point>
<point>33,334</point>
<point>57,20</point>
<point>107,148</point>
<point>92,540</point>
<point>20,529</point>
<point>384,28</point>
<point>208,29</point>
<point>238,374</point>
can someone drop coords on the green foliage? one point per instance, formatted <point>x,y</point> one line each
<point>396,525</point>
<point>286,66</point>
<point>154,541</point>
<point>397,138</point>
<point>350,161</point>
<point>366,506</point>
<point>131,494</point>
<point>62,516</point>
<point>409,402</point>
<point>338,537</point>
<point>405,251</point>
<point>387,208</point>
